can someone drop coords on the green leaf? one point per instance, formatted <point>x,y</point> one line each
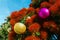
<point>38,33</point>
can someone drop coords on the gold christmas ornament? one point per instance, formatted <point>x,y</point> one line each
<point>19,28</point>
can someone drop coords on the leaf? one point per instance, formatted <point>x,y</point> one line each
<point>38,33</point>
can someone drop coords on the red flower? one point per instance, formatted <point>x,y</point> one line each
<point>18,15</point>
<point>24,9</point>
<point>14,15</point>
<point>12,22</point>
<point>46,24</point>
<point>50,25</point>
<point>21,14</point>
<point>52,1</point>
<point>12,28</point>
<point>34,27</point>
<point>45,4</point>
<point>33,17</point>
<point>32,38</point>
<point>11,35</point>
<point>31,5</point>
<point>29,21</point>
<point>31,9</point>
<point>53,26</point>
<point>54,8</point>
<point>37,10</point>
<point>44,35</point>
<point>58,2</point>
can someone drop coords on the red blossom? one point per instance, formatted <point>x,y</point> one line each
<point>11,35</point>
<point>24,9</point>
<point>46,24</point>
<point>44,34</point>
<point>31,9</point>
<point>58,3</point>
<point>12,22</point>
<point>18,15</point>
<point>12,28</point>
<point>14,15</point>
<point>31,5</point>
<point>50,25</point>
<point>37,10</point>
<point>29,21</point>
<point>32,38</point>
<point>33,17</point>
<point>53,24</point>
<point>52,1</point>
<point>34,27</point>
<point>21,14</point>
<point>45,4</point>
<point>54,8</point>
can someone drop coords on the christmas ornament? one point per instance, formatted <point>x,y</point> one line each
<point>48,29</point>
<point>44,13</point>
<point>19,28</point>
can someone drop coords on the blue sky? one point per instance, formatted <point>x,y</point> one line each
<point>8,6</point>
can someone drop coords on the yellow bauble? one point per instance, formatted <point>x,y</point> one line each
<point>19,28</point>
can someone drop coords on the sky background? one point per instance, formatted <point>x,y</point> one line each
<point>8,6</point>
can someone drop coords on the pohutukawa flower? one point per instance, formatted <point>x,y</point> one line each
<point>11,35</point>
<point>44,34</point>
<point>34,27</point>
<point>32,38</point>
<point>31,9</point>
<point>45,4</point>
<point>12,22</point>
<point>54,8</point>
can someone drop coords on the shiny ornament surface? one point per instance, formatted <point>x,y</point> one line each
<point>44,13</point>
<point>19,28</point>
